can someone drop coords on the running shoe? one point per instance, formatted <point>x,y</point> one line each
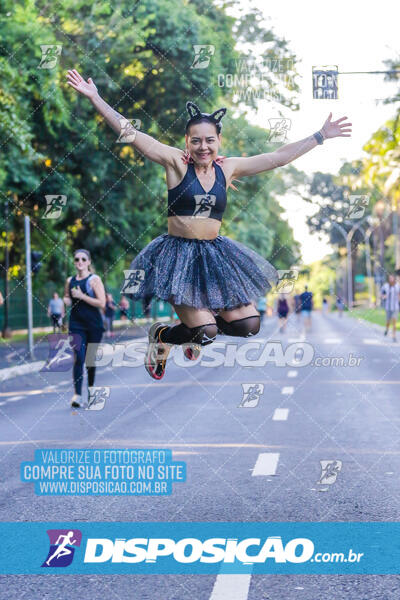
<point>191,351</point>
<point>76,401</point>
<point>157,353</point>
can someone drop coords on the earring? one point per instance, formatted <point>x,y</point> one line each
<point>186,156</point>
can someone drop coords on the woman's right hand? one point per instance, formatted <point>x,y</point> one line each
<point>86,88</point>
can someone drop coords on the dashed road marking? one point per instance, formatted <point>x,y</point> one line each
<point>292,373</point>
<point>231,587</point>
<point>280,414</point>
<point>333,341</point>
<point>15,398</point>
<point>287,390</point>
<point>267,463</point>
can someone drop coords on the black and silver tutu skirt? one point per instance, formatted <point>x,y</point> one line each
<point>215,274</point>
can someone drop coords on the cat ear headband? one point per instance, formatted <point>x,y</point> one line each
<point>195,114</point>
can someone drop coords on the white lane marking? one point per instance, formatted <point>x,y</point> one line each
<point>298,339</point>
<point>292,373</point>
<point>2,403</point>
<point>19,370</point>
<point>15,398</point>
<point>333,341</point>
<point>266,464</point>
<point>288,390</point>
<point>372,341</point>
<point>280,414</point>
<point>231,587</point>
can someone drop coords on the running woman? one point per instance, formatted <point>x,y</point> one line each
<point>84,292</point>
<point>282,311</point>
<point>212,282</point>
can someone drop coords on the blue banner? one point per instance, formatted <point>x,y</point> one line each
<point>200,548</point>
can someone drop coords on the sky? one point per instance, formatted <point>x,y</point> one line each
<point>356,35</point>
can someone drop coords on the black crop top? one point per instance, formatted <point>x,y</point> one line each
<point>189,198</point>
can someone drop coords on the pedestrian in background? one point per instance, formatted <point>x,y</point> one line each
<point>306,299</point>
<point>123,308</point>
<point>340,306</point>
<point>390,295</point>
<point>56,312</point>
<point>146,303</point>
<point>262,307</point>
<point>282,311</point>
<point>297,307</point>
<point>109,314</point>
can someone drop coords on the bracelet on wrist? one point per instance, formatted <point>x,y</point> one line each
<point>319,137</point>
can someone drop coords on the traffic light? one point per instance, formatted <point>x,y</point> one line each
<point>35,261</point>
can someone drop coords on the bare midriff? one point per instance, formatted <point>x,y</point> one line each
<point>194,227</point>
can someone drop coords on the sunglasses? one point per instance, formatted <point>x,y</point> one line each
<point>78,258</point>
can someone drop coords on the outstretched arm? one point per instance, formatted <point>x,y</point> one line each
<point>252,165</point>
<point>147,145</point>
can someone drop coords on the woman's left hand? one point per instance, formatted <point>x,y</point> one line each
<point>77,293</point>
<point>331,129</point>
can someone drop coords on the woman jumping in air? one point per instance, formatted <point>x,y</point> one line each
<point>212,282</point>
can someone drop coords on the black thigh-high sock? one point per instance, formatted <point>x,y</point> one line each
<point>181,334</point>
<point>245,327</point>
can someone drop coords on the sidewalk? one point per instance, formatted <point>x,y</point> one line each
<point>15,360</point>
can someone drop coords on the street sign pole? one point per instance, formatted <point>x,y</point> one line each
<point>29,284</point>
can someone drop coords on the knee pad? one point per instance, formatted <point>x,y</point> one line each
<point>204,334</point>
<point>181,334</point>
<point>245,327</point>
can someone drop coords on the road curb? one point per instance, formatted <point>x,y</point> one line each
<point>34,367</point>
<point>18,370</point>
<point>380,328</point>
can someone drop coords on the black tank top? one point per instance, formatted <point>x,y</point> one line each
<point>190,199</point>
<point>83,315</point>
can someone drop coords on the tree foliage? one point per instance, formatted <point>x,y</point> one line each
<point>53,143</point>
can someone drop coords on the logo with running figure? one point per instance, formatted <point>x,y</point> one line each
<point>286,281</point>
<point>203,54</point>
<point>204,204</point>
<point>128,130</point>
<point>133,280</point>
<point>278,129</point>
<point>50,54</point>
<point>330,469</point>
<point>251,394</point>
<point>97,397</point>
<point>61,347</point>
<point>358,204</point>
<point>62,547</point>
<point>54,207</point>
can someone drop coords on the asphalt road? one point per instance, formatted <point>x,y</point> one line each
<point>248,458</point>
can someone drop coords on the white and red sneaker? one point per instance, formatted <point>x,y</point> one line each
<point>157,352</point>
<point>191,351</point>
